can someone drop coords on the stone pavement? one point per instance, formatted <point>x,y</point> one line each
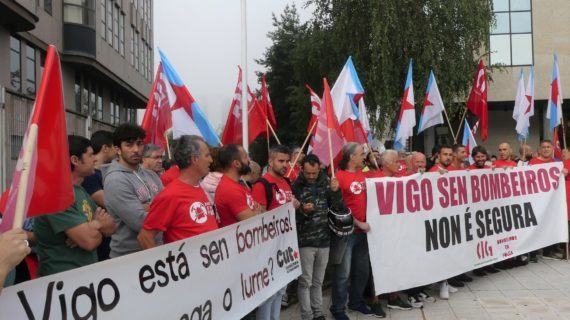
<point>536,291</point>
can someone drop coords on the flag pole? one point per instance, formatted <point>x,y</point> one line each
<point>167,145</point>
<point>267,138</point>
<point>330,151</point>
<point>244,109</point>
<point>272,131</point>
<point>302,147</point>
<point>449,124</point>
<point>460,124</point>
<point>31,140</point>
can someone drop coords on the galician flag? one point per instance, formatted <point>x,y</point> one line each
<point>433,106</point>
<point>554,110</point>
<point>524,105</point>
<point>407,116</point>
<point>468,140</point>
<point>187,117</point>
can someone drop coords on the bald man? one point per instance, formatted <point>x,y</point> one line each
<point>505,154</point>
<point>418,163</point>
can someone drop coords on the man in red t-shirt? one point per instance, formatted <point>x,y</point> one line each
<point>545,153</point>
<point>418,163</point>
<point>505,154</point>
<point>460,155</point>
<point>443,161</point>
<point>170,175</point>
<point>274,182</point>
<point>233,198</point>
<point>182,210</point>
<point>480,156</point>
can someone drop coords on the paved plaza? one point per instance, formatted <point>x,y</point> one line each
<point>536,291</point>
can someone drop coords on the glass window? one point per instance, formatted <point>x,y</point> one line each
<point>501,23</point>
<point>15,64</point>
<point>136,51</point>
<point>79,11</point>
<point>116,28</point>
<point>521,22</point>
<point>500,49</point>
<point>84,100</point>
<point>103,15</point>
<point>520,5</point>
<point>500,5</point>
<point>522,49</point>
<point>132,46</point>
<point>98,115</point>
<point>30,70</point>
<point>109,22</point>
<point>93,99</point>
<point>48,6</point>
<point>122,34</point>
<point>77,90</point>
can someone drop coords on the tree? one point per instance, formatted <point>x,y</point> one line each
<point>381,36</point>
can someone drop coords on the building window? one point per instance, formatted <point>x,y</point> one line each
<point>15,64</point>
<point>103,22</point>
<point>79,11</point>
<point>77,91</point>
<point>109,22</point>
<point>122,34</point>
<point>116,28</point>
<point>115,111</point>
<point>93,99</point>
<point>30,70</point>
<point>136,36</point>
<point>511,35</point>
<point>48,6</point>
<point>98,114</point>
<point>84,99</point>
<point>132,55</point>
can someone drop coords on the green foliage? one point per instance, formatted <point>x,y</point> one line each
<point>381,36</point>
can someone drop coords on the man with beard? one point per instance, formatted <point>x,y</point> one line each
<point>460,156</point>
<point>182,210</point>
<point>233,199</point>
<point>443,160</point>
<point>479,155</point>
<point>129,189</point>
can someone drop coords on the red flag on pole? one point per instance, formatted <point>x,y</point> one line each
<point>157,117</point>
<point>266,105</point>
<point>556,143</point>
<point>256,117</point>
<point>233,130</point>
<point>315,109</point>
<point>42,180</point>
<point>477,102</point>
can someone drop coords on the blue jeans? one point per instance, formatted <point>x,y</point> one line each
<point>354,267</point>
<point>271,308</point>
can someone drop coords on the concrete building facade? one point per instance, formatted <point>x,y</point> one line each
<point>106,52</point>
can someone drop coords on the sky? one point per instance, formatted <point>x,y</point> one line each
<point>202,40</point>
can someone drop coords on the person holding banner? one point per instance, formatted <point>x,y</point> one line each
<point>460,156</point>
<point>233,199</point>
<point>443,160</point>
<point>13,249</point>
<point>318,194</point>
<point>182,210</point>
<point>272,191</point>
<point>479,155</point>
<point>69,239</point>
<point>129,189</point>
<point>505,157</point>
<point>417,163</point>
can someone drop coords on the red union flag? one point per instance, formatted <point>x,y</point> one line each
<point>233,130</point>
<point>157,117</point>
<point>43,173</point>
<point>266,105</point>
<point>477,102</point>
<point>315,110</point>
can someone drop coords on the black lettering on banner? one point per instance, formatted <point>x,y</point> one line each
<point>480,226</point>
<point>116,295</point>
<point>468,225</point>
<point>227,301</point>
<point>216,252</point>
<point>530,218</point>
<point>177,266</point>
<point>200,312</point>
<point>89,293</point>
<point>431,235</point>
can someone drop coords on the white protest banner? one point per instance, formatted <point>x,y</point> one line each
<point>430,227</point>
<point>222,274</point>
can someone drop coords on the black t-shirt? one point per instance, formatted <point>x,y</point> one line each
<point>93,183</point>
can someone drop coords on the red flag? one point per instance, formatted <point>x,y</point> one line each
<point>315,109</point>
<point>256,117</point>
<point>49,187</point>
<point>556,142</point>
<point>233,130</point>
<point>266,105</point>
<point>477,102</point>
<point>327,121</point>
<point>157,117</point>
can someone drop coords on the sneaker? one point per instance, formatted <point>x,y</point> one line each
<point>479,272</point>
<point>451,288</point>
<point>378,311</point>
<point>415,302</point>
<point>456,283</point>
<point>399,304</point>
<point>444,291</point>
<point>533,258</point>
<point>340,316</point>
<point>285,301</point>
<point>425,297</point>
<point>364,309</point>
<point>464,278</point>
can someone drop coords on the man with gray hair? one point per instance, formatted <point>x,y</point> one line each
<point>152,158</point>
<point>417,163</point>
<point>182,210</point>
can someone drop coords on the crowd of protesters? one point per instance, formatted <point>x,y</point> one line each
<point>130,197</point>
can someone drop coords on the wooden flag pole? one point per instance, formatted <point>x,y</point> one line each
<point>449,124</point>
<point>330,152</point>
<point>373,156</point>
<point>272,131</point>
<point>267,138</point>
<point>29,147</point>
<point>168,153</point>
<point>460,124</point>
<point>302,148</point>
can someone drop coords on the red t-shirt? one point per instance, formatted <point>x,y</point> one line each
<point>402,169</point>
<point>294,173</point>
<point>374,174</point>
<point>353,188</point>
<point>540,161</point>
<point>170,175</point>
<point>438,167</point>
<point>504,163</point>
<point>281,195</point>
<point>181,211</point>
<point>231,199</point>
<point>474,167</point>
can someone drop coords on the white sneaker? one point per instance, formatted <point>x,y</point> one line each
<point>444,291</point>
<point>452,289</point>
<point>415,302</point>
<point>425,297</point>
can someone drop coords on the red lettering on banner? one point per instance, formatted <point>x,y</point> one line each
<point>407,196</point>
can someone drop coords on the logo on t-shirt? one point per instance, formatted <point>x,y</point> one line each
<point>356,187</point>
<point>87,211</point>
<point>249,200</point>
<point>198,212</point>
<point>280,196</point>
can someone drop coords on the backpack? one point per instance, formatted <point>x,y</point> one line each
<point>269,187</point>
